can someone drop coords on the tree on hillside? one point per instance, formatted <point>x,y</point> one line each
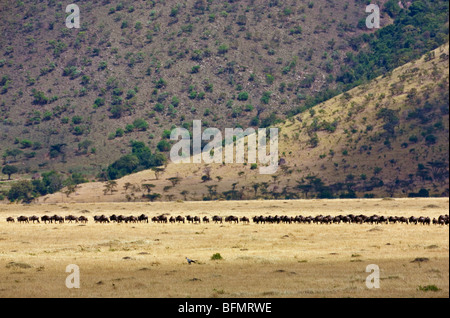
<point>12,153</point>
<point>127,186</point>
<point>174,180</point>
<point>152,197</point>
<point>148,187</point>
<point>158,171</point>
<point>21,191</point>
<point>255,187</point>
<point>71,188</point>
<point>184,193</point>
<point>110,186</point>
<point>9,170</point>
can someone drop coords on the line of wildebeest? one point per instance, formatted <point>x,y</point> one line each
<point>284,219</point>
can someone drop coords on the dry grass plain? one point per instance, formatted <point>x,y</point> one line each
<point>259,261</point>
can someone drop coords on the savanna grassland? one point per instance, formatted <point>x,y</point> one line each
<point>265,260</point>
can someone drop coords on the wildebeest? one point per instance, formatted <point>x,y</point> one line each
<point>180,219</point>
<point>34,218</point>
<point>82,219</point>
<point>217,219</point>
<point>244,220</point>
<point>131,219</point>
<point>232,219</point>
<point>71,218</point>
<point>403,219</point>
<point>101,219</point>
<point>205,219</point>
<point>57,218</point>
<point>393,219</point>
<point>10,219</point>
<point>413,219</point>
<point>159,219</point>
<point>46,219</point>
<point>443,219</point>
<point>259,219</point>
<point>143,218</point>
<point>193,219</point>
<point>22,219</point>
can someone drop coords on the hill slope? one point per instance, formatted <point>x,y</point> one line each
<point>389,137</point>
<point>70,97</point>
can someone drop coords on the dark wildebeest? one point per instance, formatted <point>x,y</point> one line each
<point>393,219</point>
<point>34,218</point>
<point>403,219</point>
<point>205,219</point>
<point>286,219</point>
<point>256,219</point>
<point>308,219</point>
<point>413,219</point>
<point>159,219</point>
<point>46,219</point>
<point>113,218</point>
<point>346,219</point>
<point>172,219</point>
<point>143,218</point>
<point>318,219</point>
<point>197,219</point>
<point>232,219</point>
<point>131,219</point>
<point>217,219</point>
<point>22,219</point>
<point>180,219</point>
<point>383,219</point>
<point>101,219</point>
<point>57,218</point>
<point>245,220</point>
<point>442,219</point>
<point>82,219</point>
<point>10,219</point>
<point>193,219</point>
<point>259,219</point>
<point>121,218</point>
<point>358,219</point>
<point>71,218</point>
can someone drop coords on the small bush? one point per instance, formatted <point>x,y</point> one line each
<point>243,96</point>
<point>429,288</point>
<point>216,256</point>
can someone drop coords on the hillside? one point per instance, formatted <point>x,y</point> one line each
<point>389,137</point>
<point>70,97</point>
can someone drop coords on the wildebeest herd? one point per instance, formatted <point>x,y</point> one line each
<point>277,219</point>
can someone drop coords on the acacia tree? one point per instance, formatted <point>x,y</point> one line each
<point>9,170</point>
<point>148,187</point>
<point>184,193</point>
<point>158,171</point>
<point>174,180</point>
<point>127,186</point>
<point>152,197</point>
<point>110,186</point>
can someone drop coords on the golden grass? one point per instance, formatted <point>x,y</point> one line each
<point>148,260</point>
